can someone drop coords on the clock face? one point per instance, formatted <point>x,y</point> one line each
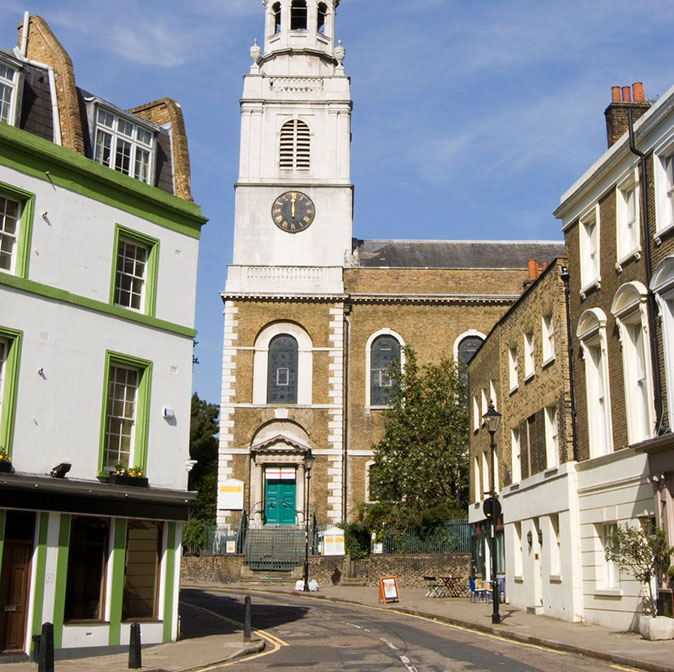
<point>293,212</point>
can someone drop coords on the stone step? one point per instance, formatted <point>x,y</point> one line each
<point>353,581</point>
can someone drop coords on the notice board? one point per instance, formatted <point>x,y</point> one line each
<point>388,589</point>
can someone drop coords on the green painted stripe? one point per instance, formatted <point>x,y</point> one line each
<point>117,588</point>
<point>40,563</point>
<point>48,292</point>
<point>170,581</point>
<point>44,160</point>
<point>9,388</point>
<point>61,579</point>
<point>3,518</point>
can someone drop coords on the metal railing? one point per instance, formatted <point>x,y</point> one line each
<point>452,537</point>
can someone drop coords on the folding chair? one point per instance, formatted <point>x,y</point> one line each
<point>433,587</point>
<point>477,593</point>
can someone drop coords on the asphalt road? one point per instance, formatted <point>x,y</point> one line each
<point>312,634</point>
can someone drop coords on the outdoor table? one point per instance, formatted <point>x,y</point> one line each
<point>453,586</point>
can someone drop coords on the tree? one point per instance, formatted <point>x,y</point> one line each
<point>645,554</point>
<point>204,476</point>
<point>421,461</point>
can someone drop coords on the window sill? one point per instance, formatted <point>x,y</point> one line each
<point>663,232</point>
<point>514,486</point>
<point>551,471</point>
<point>608,592</point>
<point>590,287</point>
<point>555,578</point>
<point>633,255</point>
<point>528,378</point>
<point>518,579</point>
<point>513,390</point>
<point>547,362</point>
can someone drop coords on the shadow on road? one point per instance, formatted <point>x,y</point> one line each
<point>195,622</point>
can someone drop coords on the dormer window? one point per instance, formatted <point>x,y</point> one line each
<point>276,9</point>
<point>322,14</point>
<point>298,15</point>
<point>8,80</point>
<point>123,145</point>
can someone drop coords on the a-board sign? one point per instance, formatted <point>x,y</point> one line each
<point>388,589</point>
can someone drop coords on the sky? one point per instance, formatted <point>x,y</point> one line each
<point>471,117</point>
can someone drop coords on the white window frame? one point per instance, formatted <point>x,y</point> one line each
<point>492,393</point>
<point>518,551</point>
<point>485,474</point>
<point>115,134</point>
<point>548,338</point>
<point>590,276</point>
<point>664,188</point>
<point>16,236</point>
<point>11,85</point>
<point>125,417</point>
<point>477,417</point>
<point>592,334</point>
<point>529,355</point>
<point>628,215</point>
<point>476,479</point>
<point>630,311</point>
<point>512,368</point>
<point>609,578</point>
<point>555,547</point>
<point>484,401</point>
<point>551,437</point>
<point>516,455</point>
<point>304,362</point>
<point>368,358</point>
<point>662,285</point>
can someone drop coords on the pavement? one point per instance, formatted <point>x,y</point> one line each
<point>214,643</point>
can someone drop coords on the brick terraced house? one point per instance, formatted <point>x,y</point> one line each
<point>617,467</point>
<point>313,316</point>
<point>98,256</point>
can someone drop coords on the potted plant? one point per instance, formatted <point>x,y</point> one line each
<point>5,462</point>
<point>128,476</point>
<point>646,555</point>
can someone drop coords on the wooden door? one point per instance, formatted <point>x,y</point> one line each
<point>279,504</point>
<point>14,585</point>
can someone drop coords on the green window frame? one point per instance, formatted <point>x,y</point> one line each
<point>125,282</point>
<point>9,380</point>
<point>141,412</point>
<point>21,252</point>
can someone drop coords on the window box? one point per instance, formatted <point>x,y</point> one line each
<point>124,479</point>
<point>5,467</point>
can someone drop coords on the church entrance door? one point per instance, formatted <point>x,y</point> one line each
<point>279,501</point>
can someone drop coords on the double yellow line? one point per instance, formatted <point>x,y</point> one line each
<point>275,642</point>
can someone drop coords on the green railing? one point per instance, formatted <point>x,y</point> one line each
<point>274,548</point>
<point>452,537</point>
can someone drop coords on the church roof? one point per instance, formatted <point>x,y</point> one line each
<point>454,253</point>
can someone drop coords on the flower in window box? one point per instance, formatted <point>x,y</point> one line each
<point>128,475</point>
<point>5,461</point>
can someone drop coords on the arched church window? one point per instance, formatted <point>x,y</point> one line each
<point>322,13</point>
<point>276,9</point>
<point>467,348</point>
<point>385,350</point>
<point>295,149</point>
<point>298,15</point>
<point>282,370</point>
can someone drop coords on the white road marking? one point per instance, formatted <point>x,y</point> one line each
<point>408,664</point>
<point>389,644</point>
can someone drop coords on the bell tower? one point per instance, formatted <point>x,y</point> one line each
<point>293,213</point>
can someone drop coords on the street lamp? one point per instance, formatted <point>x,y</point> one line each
<point>492,507</point>
<point>308,463</point>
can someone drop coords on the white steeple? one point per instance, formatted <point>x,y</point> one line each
<point>296,140</point>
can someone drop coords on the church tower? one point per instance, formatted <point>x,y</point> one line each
<point>294,195</point>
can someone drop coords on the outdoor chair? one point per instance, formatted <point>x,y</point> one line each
<point>477,593</point>
<point>433,587</point>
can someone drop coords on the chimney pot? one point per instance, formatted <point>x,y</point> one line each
<point>627,94</point>
<point>638,92</point>
<point>533,269</point>
<point>615,94</point>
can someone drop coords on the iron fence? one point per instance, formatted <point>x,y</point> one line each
<point>452,537</point>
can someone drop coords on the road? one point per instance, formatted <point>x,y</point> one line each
<point>317,635</point>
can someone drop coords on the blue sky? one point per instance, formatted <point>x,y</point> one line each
<point>470,119</point>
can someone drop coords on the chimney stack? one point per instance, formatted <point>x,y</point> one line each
<point>623,99</point>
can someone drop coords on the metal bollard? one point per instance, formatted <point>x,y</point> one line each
<point>246,621</point>
<point>45,653</point>
<point>35,653</point>
<point>134,647</point>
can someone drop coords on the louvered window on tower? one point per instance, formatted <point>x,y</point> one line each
<point>295,146</point>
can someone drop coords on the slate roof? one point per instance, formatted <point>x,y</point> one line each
<point>454,253</point>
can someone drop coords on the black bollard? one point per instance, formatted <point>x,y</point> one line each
<point>36,649</point>
<point>45,653</point>
<point>246,621</point>
<point>134,647</point>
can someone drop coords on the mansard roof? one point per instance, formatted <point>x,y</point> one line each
<point>454,253</point>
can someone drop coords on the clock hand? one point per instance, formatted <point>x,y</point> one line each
<point>292,206</point>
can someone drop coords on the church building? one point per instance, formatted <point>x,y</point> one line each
<point>313,317</point>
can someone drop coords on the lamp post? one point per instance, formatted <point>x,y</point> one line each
<point>308,463</point>
<point>492,506</point>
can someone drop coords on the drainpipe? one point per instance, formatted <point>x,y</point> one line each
<point>345,409</point>
<point>564,273</point>
<point>661,427</point>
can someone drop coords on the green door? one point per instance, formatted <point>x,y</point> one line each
<point>279,502</point>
